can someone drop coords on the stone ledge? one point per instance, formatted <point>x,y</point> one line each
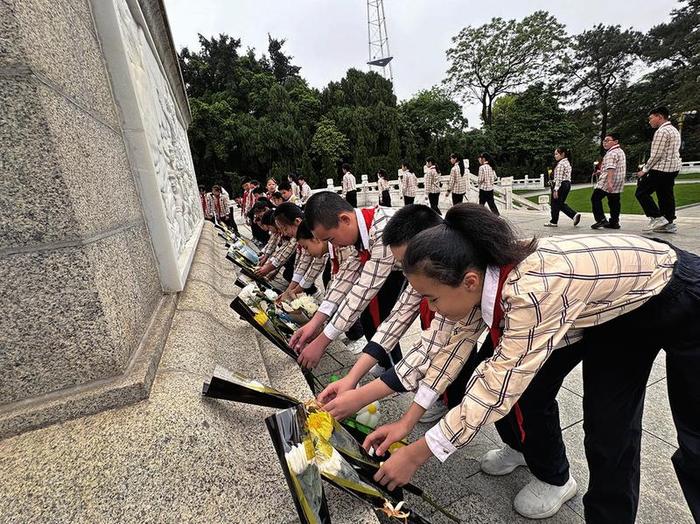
<point>87,399</point>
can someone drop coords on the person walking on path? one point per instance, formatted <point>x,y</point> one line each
<point>561,185</point>
<point>409,184</point>
<point>487,178</point>
<point>384,190</point>
<point>611,182</point>
<point>349,185</point>
<point>658,175</point>
<point>431,180</point>
<point>459,179</point>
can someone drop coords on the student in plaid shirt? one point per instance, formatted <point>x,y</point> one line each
<point>384,188</point>
<point>621,297</point>
<point>349,185</point>
<point>561,185</point>
<point>659,174</point>
<point>487,178</point>
<point>366,286</point>
<point>279,252</point>
<point>431,179</point>
<point>459,179</point>
<point>611,182</point>
<point>409,184</point>
<point>304,190</point>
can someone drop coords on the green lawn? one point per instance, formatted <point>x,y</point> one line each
<point>580,199</point>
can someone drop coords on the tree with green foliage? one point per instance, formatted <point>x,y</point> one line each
<point>599,61</point>
<point>329,146</point>
<point>502,57</point>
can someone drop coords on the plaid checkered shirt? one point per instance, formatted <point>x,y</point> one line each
<point>568,283</point>
<point>284,251</point>
<point>487,177</point>
<point>562,171</point>
<point>349,183</point>
<point>356,284</point>
<point>304,193</point>
<point>382,184</point>
<point>665,150</point>
<point>272,245</point>
<point>431,180</point>
<point>409,184</point>
<point>307,268</point>
<point>614,159</point>
<point>458,182</point>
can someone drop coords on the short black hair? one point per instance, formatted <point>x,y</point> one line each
<point>202,189</point>
<point>407,222</point>
<point>430,159</point>
<point>255,182</point>
<point>614,136</point>
<point>268,219</point>
<point>277,194</point>
<point>661,111</point>
<point>303,232</point>
<point>324,208</point>
<point>257,190</point>
<point>288,212</point>
<point>345,166</point>
<point>284,186</point>
<point>262,204</point>
<point>300,178</point>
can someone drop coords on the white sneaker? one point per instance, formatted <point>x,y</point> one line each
<point>656,223</point>
<point>551,224</point>
<point>356,346</point>
<point>501,461</point>
<point>539,500</point>
<point>666,228</point>
<point>377,371</point>
<point>434,413</point>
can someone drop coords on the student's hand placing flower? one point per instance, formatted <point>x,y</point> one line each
<point>302,335</point>
<point>312,353</point>
<point>403,464</point>
<point>336,388</point>
<point>264,269</point>
<point>345,404</point>
<point>384,436</point>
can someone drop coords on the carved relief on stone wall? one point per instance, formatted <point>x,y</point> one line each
<point>164,129</point>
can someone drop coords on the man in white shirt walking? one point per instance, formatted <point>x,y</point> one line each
<point>349,186</point>
<point>659,174</point>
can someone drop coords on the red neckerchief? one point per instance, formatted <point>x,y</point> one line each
<point>426,314</point>
<point>217,206</point>
<point>335,263</point>
<point>496,333</point>
<point>368,215</point>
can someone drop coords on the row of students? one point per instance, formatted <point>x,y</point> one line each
<point>611,302</point>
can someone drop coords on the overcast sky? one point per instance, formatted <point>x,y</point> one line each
<point>326,37</point>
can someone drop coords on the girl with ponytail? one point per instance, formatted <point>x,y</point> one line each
<point>612,301</point>
<point>561,185</point>
<point>459,179</point>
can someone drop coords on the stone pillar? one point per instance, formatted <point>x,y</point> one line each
<point>98,216</point>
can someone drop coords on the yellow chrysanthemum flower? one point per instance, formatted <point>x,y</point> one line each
<point>320,424</point>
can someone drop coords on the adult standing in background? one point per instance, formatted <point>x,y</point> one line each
<point>349,185</point>
<point>611,182</point>
<point>409,184</point>
<point>383,187</point>
<point>304,190</point>
<point>431,180</point>
<point>561,185</point>
<point>487,178</point>
<point>659,174</point>
<point>459,178</point>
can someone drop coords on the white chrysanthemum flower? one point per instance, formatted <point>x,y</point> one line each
<point>296,459</point>
<point>271,295</point>
<point>331,465</point>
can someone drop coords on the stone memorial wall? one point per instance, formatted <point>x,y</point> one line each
<point>99,209</point>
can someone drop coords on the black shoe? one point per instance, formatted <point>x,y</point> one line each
<point>577,219</point>
<point>611,225</point>
<point>600,223</point>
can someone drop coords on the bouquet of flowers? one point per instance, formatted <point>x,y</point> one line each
<point>301,309</point>
<point>303,439</point>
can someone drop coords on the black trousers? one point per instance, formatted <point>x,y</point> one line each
<point>387,297</point>
<point>288,272</point>
<point>618,357</point>
<point>532,426</point>
<point>597,204</point>
<point>434,199</point>
<point>661,183</point>
<point>407,200</point>
<point>259,234</point>
<point>486,197</point>
<point>457,198</point>
<point>559,203</point>
<point>385,198</point>
<point>351,196</point>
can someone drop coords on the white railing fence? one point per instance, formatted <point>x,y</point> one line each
<point>368,193</point>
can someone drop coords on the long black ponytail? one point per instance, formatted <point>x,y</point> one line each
<point>471,237</point>
<point>460,163</point>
